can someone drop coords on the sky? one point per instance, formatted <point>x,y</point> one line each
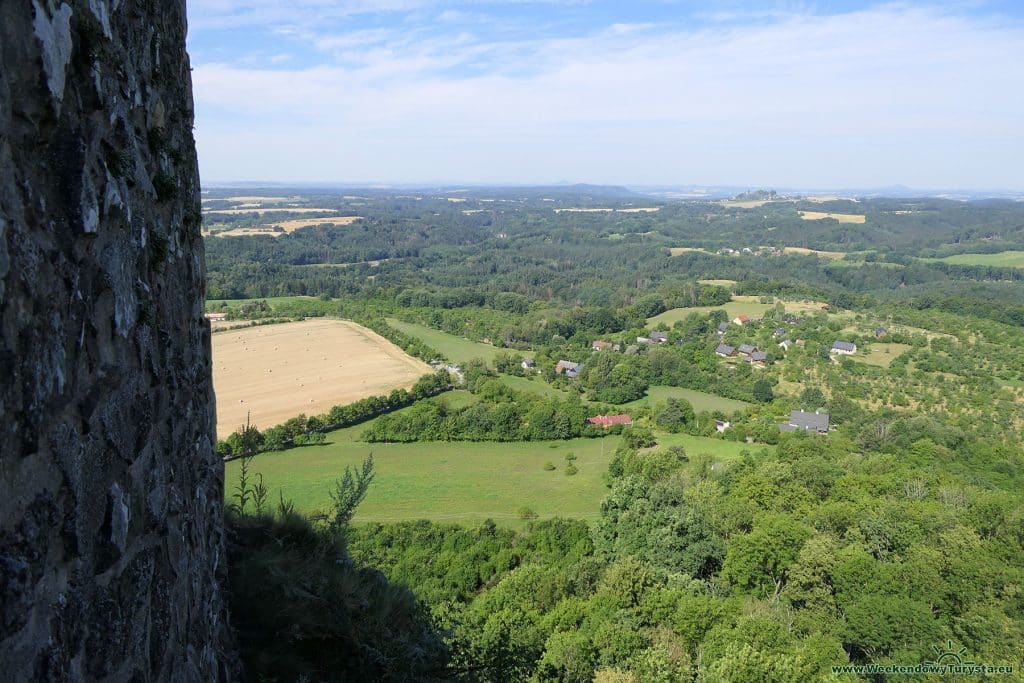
<point>790,94</point>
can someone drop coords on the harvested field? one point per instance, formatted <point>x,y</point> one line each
<point>676,251</point>
<point>841,217</point>
<point>264,230</point>
<point>276,209</point>
<point>835,255</point>
<point>286,226</point>
<point>254,198</point>
<point>718,283</point>
<point>644,209</point>
<point>275,372</point>
<point>295,224</point>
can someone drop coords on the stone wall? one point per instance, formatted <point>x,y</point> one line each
<point>111,542</point>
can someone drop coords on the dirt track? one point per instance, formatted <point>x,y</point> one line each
<point>276,372</point>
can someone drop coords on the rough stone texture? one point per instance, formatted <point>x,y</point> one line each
<point>111,542</point>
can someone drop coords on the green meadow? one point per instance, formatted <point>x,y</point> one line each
<point>1004,259</point>
<point>698,399</point>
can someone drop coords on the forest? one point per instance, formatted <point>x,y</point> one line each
<point>895,535</point>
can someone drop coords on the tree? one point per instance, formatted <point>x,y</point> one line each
<point>763,392</point>
<point>675,415</point>
<point>349,491</point>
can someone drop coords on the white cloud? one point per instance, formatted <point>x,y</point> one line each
<point>892,94</point>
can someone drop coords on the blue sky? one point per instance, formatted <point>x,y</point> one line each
<point>773,94</point>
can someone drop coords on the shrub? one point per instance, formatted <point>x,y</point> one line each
<point>548,466</point>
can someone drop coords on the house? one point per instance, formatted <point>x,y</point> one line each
<point>216,316</point>
<point>643,340</point>
<point>816,422</point>
<point>723,327</point>
<point>759,358</point>
<point>741,320</point>
<point>778,332</point>
<point>658,337</point>
<point>616,347</point>
<point>880,332</point>
<point>746,349</point>
<point>725,351</point>
<point>528,364</point>
<point>606,421</point>
<point>600,345</point>
<point>722,425</point>
<point>785,344</point>
<point>572,372</point>
<point>844,348</point>
<point>564,366</point>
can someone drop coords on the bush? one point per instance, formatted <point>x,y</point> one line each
<point>527,513</point>
<point>548,466</point>
<point>571,470</point>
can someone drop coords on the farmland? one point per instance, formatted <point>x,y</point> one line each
<point>840,217</point>
<point>274,372</point>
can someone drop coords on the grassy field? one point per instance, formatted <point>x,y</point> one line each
<point>1004,259</point>
<point>453,482</point>
<point>458,482</point>
<point>459,350</point>
<point>740,305</point>
<point>883,354</point>
<point>733,308</point>
<point>534,386</point>
<point>719,283</point>
<point>698,399</point>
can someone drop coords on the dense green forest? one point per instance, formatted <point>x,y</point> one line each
<point>896,536</point>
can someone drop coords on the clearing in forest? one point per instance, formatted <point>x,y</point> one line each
<point>275,372</point>
<point>841,217</point>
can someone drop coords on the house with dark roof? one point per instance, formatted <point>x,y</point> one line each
<point>844,348</point>
<point>573,372</point>
<point>528,364</point>
<point>658,337</point>
<point>606,421</point>
<point>778,332</point>
<point>564,366</point>
<point>725,351</point>
<point>785,344</point>
<point>723,327</point>
<point>746,349</point>
<point>759,358</point>
<point>880,332</point>
<point>816,422</point>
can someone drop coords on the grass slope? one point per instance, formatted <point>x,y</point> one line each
<point>459,350</point>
